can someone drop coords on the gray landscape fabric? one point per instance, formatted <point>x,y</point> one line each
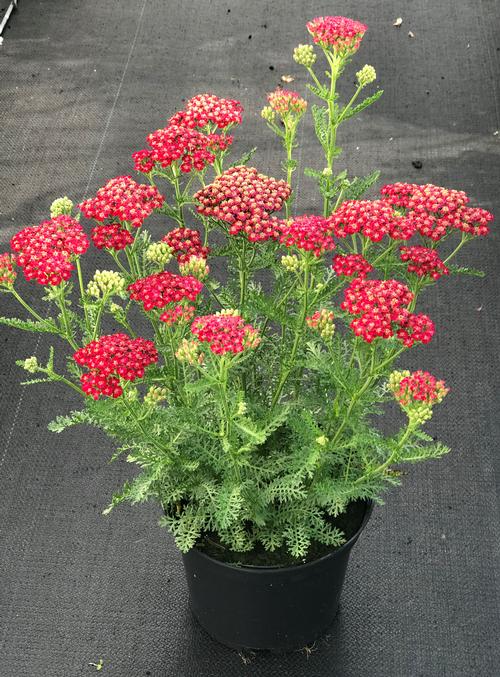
<point>82,83</point>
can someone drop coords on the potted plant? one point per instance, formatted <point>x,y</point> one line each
<point>248,398</point>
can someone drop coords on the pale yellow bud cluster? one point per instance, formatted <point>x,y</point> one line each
<point>159,253</point>
<point>327,171</point>
<point>155,395</point>
<point>132,394</point>
<point>322,322</point>
<point>106,283</point>
<point>366,75</point>
<point>291,263</point>
<point>188,351</point>
<point>268,114</point>
<point>242,409</point>
<point>228,311</point>
<point>322,440</point>
<point>304,55</point>
<point>63,205</point>
<point>31,364</point>
<point>195,266</point>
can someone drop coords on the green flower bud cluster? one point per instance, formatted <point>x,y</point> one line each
<point>63,205</point>
<point>155,395</point>
<point>291,263</point>
<point>366,75</point>
<point>195,266</point>
<point>304,55</point>
<point>106,283</point>
<point>268,114</point>
<point>132,394</point>
<point>242,409</point>
<point>188,351</point>
<point>159,253</point>
<point>322,440</point>
<point>31,364</point>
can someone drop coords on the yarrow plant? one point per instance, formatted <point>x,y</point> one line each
<point>249,399</point>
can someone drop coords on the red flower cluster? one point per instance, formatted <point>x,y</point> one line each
<point>7,272</point>
<point>373,218</point>
<point>192,148</point>
<point>245,199</point>
<point>284,101</point>
<point>186,243</point>
<point>45,252</point>
<point>205,109</point>
<point>143,162</point>
<point>123,199</point>
<point>382,309</point>
<point>342,34</point>
<point>160,289</point>
<point>420,386</point>
<point>472,220</point>
<point>424,261</point>
<point>113,357</point>
<point>351,265</point>
<point>111,236</point>
<point>225,333</point>
<point>308,232</point>
<point>433,209</point>
<point>178,314</point>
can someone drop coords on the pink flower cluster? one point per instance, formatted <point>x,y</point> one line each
<point>205,109</point>
<point>420,386</point>
<point>183,141</point>
<point>309,233</point>
<point>123,199</point>
<point>284,101</point>
<point>113,357</point>
<point>45,252</point>
<point>245,199</point>
<point>372,218</point>
<point>111,236</point>
<point>424,261</point>
<point>341,34</point>
<point>225,333</point>
<point>178,314</point>
<point>7,271</point>
<point>382,309</point>
<point>160,289</point>
<point>351,265</point>
<point>186,243</point>
<point>434,210</point>
<point>190,147</point>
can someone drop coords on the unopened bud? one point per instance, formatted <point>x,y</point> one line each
<point>63,205</point>
<point>304,55</point>
<point>366,75</point>
<point>195,266</point>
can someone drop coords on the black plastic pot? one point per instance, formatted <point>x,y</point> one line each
<point>275,608</point>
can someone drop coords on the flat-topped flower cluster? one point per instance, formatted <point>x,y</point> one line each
<point>241,351</point>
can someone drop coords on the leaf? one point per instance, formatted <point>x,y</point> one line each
<point>361,106</point>
<point>322,93</point>
<point>47,326</point>
<point>320,117</point>
<point>245,158</point>
<point>314,173</point>
<point>460,270</point>
<point>60,423</point>
<point>359,186</point>
<point>289,164</point>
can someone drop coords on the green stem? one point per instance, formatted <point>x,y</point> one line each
<point>383,466</point>
<point>457,248</point>
<point>28,307</point>
<point>285,372</point>
<point>61,302</point>
<point>82,293</point>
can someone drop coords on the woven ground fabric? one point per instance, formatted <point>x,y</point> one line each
<point>82,84</point>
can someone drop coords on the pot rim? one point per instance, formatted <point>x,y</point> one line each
<point>275,569</point>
